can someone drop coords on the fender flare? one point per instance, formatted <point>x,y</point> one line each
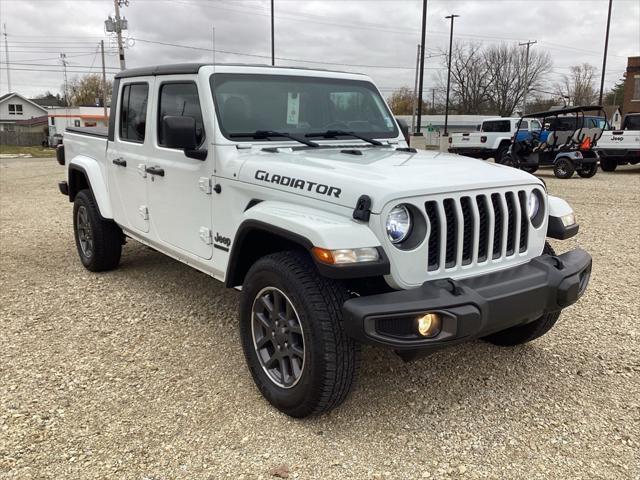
<point>96,180</point>
<point>558,208</point>
<point>306,228</point>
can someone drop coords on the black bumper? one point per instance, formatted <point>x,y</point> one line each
<point>474,152</point>
<point>472,307</point>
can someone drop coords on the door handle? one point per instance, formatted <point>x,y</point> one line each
<point>155,171</point>
<point>120,162</point>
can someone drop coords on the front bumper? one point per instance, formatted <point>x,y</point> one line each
<point>470,308</point>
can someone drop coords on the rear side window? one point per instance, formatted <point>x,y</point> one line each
<point>632,122</point>
<point>133,112</point>
<point>496,126</point>
<point>180,99</point>
<point>524,125</point>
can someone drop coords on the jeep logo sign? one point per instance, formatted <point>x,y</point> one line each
<point>298,183</point>
<point>617,139</point>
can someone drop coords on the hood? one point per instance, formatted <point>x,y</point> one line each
<point>341,175</point>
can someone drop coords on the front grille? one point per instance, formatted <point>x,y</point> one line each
<point>475,229</point>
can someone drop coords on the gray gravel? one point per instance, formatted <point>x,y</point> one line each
<point>138,373</point>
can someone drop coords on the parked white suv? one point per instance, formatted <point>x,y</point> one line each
<point>297,187</point>
<point>492,140</point>
<point>620,147</point>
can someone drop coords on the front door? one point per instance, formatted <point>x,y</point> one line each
<point>180,200</point>
<point>127,156</point>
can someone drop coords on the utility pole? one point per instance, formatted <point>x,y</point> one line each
<point>104,82</point>
<point>6,56</point>
<point>63,60</point>
<point>273,47</point>
<point>526,74</point>
<point>415,93</point>
<point>424,32</point>
<point>446,107</point>
<point>433,99</point>
<point>116,4</point>
<point>604,59</point>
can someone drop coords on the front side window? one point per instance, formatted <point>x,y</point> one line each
<point>304,106</point>
<point>133,111</point>
<point>180,99</point>
<point>535,125</point>
<point>497,126</point>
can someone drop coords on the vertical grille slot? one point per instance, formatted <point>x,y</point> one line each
<point>497,230</point>
<point>467,238</point>
<point>452,233</point>
<point>483,238</point>
<point>511,220</point>
<point>434,236</point>
<point>524,221</point>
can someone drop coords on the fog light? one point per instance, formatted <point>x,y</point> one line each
<point>429,325</point>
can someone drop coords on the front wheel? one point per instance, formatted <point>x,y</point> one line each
<point>501,153</point>
<point>588,170</point>
<point>99,241</point>
<point>563,168</point>
<point>530,331</point>
<point>290,328</point>
<point>608,164</point>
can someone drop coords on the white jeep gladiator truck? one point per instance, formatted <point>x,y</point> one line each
<point>493,140</point>
<point>297,187</point>
<point>620,147</point>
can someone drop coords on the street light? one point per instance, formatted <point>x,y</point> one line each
<point>424,31</point>
<point>446,108</point>
<point>604,58</point>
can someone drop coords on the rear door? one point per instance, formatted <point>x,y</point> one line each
<point>180,199</point>
<point>127,154</point>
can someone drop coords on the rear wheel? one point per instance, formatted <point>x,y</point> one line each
<point>564,168</point>
<point>501,153</point>
<point>530,331</point>
<point>290,327</point>
<point>99,241</point>
<point>608,164</point>
<point>588,170</point>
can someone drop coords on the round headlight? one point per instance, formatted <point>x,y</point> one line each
<point>533,204</point>
<point>398,224</point>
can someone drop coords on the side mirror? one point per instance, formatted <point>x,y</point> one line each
<point>180,132</point>
<point>404,128</point>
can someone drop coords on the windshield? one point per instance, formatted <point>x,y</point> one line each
<point>249,103</point>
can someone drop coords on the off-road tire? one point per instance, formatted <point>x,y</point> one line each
<point>563,168</point>
<point>530,331</point>
<point>330,356</point>
<point>588,170</point>
<point>106,235</point>
<point>608,164</point>
<point>501,153</point>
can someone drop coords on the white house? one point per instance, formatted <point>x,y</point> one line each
<point>63,117</point>
<point>14,107</point>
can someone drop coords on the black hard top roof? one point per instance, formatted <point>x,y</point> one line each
<point>186,68</point>
<point>563,111</point>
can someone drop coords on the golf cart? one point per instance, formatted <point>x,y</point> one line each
<point>565,142</point>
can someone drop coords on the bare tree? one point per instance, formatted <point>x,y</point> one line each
<point>470,79</point>
<point>492,80</point>
<point>506,68</point>
<point>579,85</point>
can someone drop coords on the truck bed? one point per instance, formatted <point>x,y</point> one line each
<point>93,131</point>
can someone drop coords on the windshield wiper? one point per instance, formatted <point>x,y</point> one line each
<point>265,134</point>
<point>344,133</point>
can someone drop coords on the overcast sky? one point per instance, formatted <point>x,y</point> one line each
<point>369,36</point>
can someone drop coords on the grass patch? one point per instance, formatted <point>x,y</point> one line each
<point>34,151</point>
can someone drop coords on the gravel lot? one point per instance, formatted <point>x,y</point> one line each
<point>138,373</point>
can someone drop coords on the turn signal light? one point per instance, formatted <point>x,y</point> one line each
<point>343,256</point>
<point>429,325</point>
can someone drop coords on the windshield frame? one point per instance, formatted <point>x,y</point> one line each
<point>392,135</point>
